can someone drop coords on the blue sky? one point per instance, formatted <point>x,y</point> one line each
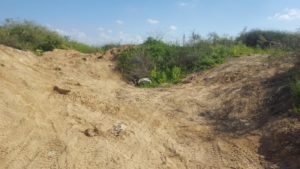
<point>131,21</point>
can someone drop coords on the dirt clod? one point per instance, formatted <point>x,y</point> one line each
<point>57,68</point>
<point>61,91</point>
<point>91,132</point>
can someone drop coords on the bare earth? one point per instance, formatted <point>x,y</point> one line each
<point>95,120</point>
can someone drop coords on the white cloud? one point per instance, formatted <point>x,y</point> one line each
<point>106,36</point>
<point>188,3</point>
<point>152,21</point>
<point>119,22</point>
<point>287,15</point>
<point>182,4</point>
<point>73,34</point>
<point>173,28</point>
<point>101,29</point>
<point>103,36</point>
<point>60,31</point>
<point>125,38</point>
<point>79,34</point>
<point>139,39</point>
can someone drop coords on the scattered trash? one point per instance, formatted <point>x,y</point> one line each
<point>144,81</point>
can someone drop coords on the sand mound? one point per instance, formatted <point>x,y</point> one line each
<point>95,120</point>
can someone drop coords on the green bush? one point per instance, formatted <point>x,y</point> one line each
<point>81,47</point>
<point>176,74</point>
<point>27,35</point>
<point>168,63</point>
<point>270,39</point>
<point>295,91</point>
<point>134,64</point>
<point>110,46</point>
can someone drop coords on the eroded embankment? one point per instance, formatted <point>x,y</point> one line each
<point>71,110</point>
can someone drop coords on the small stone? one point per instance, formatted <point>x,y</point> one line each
<point>57,68</point>
<point>91,132</point>
<point>118,128</point>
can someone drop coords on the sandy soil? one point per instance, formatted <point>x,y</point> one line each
<point>94,120</point>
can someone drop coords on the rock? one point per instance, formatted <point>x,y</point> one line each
<point>91,132</point>
<point>57,68</point>
<point>118,128</point>
<point>78,84</point>
<point>61,91</point>
<point>144,81</point>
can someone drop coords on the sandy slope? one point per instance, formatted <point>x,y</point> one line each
<point>106,123</point>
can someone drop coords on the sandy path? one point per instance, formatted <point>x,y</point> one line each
<point>105,123</point>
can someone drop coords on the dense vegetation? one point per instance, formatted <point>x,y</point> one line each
<point>27,35</point>
<point>165,63</point>
<point>269,39</point>
<point>161,62</point>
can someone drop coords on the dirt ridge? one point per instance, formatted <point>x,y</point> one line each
<point>103,122</point>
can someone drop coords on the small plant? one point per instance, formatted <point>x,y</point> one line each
<point>81,47</point>
<point>176,74</point>
<point>110,46</point>
<point>295,91</point>
<point>39,52</point>
<point>296,110</point>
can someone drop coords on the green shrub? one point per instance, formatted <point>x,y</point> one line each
<point>270,39</point>
<point>81,47</point>
<point>27,35</point>
<point>295,91</point>
<point>176,74</point>
<point>168,63</point>
<point>134,64</point>
<point>240,50</point>
<point>296,110</point>
<point>110,46</point>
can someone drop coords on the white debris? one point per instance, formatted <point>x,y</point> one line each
<point>144,80</point>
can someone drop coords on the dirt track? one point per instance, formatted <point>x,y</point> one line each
<point>106,123</point>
